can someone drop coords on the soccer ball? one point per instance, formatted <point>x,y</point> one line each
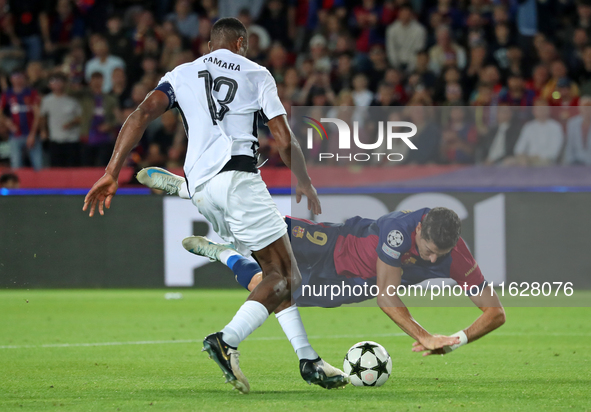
<point>368,364</point>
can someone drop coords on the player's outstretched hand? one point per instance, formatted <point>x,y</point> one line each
<point>433,345</point>
<point>310,192</point>
<point>102,192</point>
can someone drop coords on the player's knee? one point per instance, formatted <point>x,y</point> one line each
<point>281,284</point>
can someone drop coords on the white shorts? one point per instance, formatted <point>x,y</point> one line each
<point>241,210</point>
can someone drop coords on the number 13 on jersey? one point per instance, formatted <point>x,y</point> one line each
<point>215,85</point>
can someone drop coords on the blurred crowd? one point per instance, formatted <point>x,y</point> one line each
<point>71,71</point>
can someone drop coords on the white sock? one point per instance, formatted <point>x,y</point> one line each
<point>250,316</point>
<point>225,255</point>
<point>292,326</point>
<point>184,191</point>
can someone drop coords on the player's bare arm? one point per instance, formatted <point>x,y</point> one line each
<point>291,154</point>
<point>492,317</point>
<point>131,133</point>
<point>397,311</point>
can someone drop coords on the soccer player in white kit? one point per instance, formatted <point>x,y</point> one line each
<point>219,96</point>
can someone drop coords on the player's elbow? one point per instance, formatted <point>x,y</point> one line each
<point>500,317</point>
<point>142,115</point>
<point>283,143</point>
<point>383,301</point>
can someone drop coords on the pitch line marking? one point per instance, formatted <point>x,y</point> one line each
<point>160,342</point>
<point>258,338</point>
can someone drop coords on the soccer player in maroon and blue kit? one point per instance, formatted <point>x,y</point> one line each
<point>19,109</point>
<point>400,248</point>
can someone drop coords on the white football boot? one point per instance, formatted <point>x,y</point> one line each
<point>161,179</point>
<point>202,246</point>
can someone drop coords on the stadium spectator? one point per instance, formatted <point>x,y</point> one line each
<point>119,44</point>
<point>173,46</point>
<point>539,79</point>
<point>37,77</point>
<point>427,138</point>
<point>12,55</point>
<point>563,101</point>
<point>99,113</point>
<point>517,65</point>
<point>475,66</point>
<point>73,66</point>
<point>60,123</point>
<point>291,83</point>
<point>22,102</point>
<point>144,34</point>
<point>231,8</point>
<point>319,53</point>
<point>4,145</point>
<point>575,49</point>
<point>501,44</point>
<point>395,79</point>
<point>365,22</point>
<point>139,91</point>
<point>385,96</point>
<point>275,18</point>
<point>342,74</point>
<point>459,138</point>
<point>515,93</point>
<point>23,20</point>
<point>404,39</point>
<point>421,75</point>
<point>212,10</point>
<point>161,140</point>
<point>558,71</point>
<point>60,28</point>
<point>9,181</point>
<point>540,140</point>
<point>378,67</point>
<point>445,52</point>
<point>277,61</point>
<point>199,45</point>
<point>453,95</point>
<point>362,96</point>
<point>499,143</point>
<point>103,62</point>
<point>186,21</point>
<point>246,19</point>
<point>583,75</point>
<point>578,136</point>
<point>121,89</point>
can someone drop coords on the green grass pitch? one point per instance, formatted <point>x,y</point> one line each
<point>539,360</point>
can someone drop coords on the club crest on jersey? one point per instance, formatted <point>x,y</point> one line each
<point>395,238</point>
<point>222,64</point>
<point>298,231</point>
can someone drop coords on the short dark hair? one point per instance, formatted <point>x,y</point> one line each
<point>228,29</point>
<point>96,74</point>
<point>58,76</point>
<point>442,226</point>
<point>8,177</point>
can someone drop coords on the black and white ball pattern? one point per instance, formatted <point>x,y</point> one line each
<point>368,364</point>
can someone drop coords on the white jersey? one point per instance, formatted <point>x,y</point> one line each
<point>219,96</point>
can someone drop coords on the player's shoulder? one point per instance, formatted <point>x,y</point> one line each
<point>461,251</point>
<point>396,232</point>
<point>405,221</point>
